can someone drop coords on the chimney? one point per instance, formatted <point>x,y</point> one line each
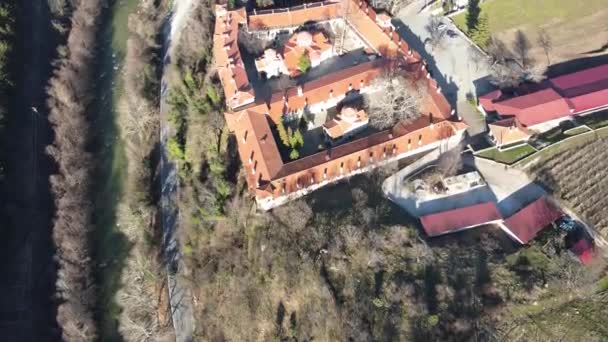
<point>300,92</point>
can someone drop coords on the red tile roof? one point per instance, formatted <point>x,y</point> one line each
<point>458,219</point>
<point>294,16</point>
<point>250,122</point>
<point>530,220</point>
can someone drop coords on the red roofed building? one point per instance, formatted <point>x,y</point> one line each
<point>274,180</point>
<point>459,219</point>
<point>527,222</point>
<point>555,99</point>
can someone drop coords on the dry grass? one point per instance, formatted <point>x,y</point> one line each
<point>579,177</point>
<point>575,28</point>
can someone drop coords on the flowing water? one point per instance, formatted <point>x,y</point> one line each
<point>110,244</point>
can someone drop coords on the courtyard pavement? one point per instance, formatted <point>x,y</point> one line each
<point>457,65</point>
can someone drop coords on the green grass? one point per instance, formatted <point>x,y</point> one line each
<point>509,156</point>
<point>596,120</point>
<point>508,14</point>
<point>576,131</point>
<point>578,140</point>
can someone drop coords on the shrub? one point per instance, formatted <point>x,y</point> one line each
<point>294,154</point>
<point>304,63</point>
<point>175,149</point>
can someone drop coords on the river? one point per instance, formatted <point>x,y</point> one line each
<point>110,244</point>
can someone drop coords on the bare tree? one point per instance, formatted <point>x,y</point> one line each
<point>252,43</point>
<point>506,75</point>
<point>498,51</point>
<point>521,47</point>
<point>396,99</point>
<point>544,40</point>
<point>450,162</point>
<point>436,31</point>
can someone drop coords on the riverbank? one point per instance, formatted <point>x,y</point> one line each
<point>111,245</point>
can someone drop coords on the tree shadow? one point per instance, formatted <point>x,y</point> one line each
<point>448,87</point>
<point>28,306</point>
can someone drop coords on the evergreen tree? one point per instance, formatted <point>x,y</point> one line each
<point>298,138</point>
<point>282,133</point>
<point>294,154</point>
<point>473,11</point>
<point>481,34</point>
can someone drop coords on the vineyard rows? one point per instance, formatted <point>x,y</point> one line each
<point>579,177</point>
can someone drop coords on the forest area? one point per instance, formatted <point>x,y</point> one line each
<point>344,264</point>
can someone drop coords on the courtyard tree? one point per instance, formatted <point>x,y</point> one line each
<point>397,99</point>
<point>304,63</point>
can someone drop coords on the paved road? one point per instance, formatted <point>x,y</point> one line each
<point>512,187</point>
<point>180,294</point>
<point>453,64</point>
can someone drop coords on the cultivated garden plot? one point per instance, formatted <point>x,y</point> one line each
<point>578,176</point>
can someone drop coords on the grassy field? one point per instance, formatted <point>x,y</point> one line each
<point>567,23</point>
<point>509,156</point>
<point>508,14</point>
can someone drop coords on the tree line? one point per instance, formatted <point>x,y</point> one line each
<point>70,96</point>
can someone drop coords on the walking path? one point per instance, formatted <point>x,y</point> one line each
<point>180,294</point>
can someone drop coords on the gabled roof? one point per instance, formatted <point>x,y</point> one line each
<point>509,131</point>
<point>255,136</point>
<point>582,82</point>
<point>294,16</point>
<point>536,107</point>
<point>530,220</point>
<point>458,219</point>
<point>230,66</point>
<point>558,97</point>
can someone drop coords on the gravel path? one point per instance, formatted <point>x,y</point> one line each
<point>456,64</point>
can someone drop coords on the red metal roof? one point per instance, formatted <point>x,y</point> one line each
<point>530,220</point>
<point>558,97</point>
<point>584,78</point>
<point>458,219</point>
